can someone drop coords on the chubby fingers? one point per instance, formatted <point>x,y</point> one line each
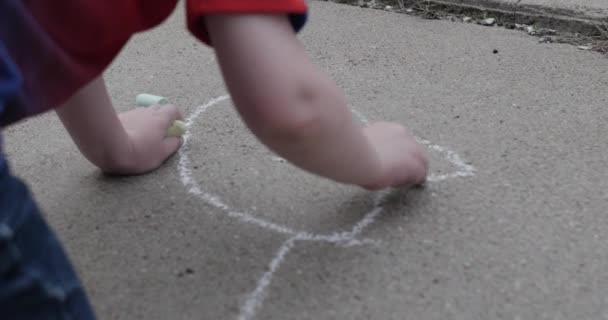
<point>170,118</point>
<point>167,112</point>
<point>171,145</point>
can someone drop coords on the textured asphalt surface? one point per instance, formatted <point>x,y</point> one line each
<point>525,237</point>
<point>593,8</point>
<point>581,8</point>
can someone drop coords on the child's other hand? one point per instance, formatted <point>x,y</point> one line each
<point>403,161</point>
<point>148,146</point>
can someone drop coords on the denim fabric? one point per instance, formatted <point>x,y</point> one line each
<point>37,280</point>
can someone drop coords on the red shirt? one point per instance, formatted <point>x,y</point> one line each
<point>57,46</point>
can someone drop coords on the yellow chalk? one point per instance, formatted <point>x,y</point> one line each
<point>145,99</point>
<point>177,129</point>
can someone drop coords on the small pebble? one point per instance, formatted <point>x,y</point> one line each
<point>530,30</point>
<point>549,32</point>
<point>488,22</point>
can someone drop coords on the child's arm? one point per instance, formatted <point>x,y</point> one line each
<point>300,113</point>
<point>133,142</point>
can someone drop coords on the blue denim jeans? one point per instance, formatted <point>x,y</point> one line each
<point>37,280</point>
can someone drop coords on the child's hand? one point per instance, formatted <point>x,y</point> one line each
<point>403,161</point>
<point>148,144</point>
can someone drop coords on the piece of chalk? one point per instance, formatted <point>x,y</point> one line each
<point>146,99</point>
<point>177,129</point>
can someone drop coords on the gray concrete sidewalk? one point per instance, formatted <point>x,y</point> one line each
<point>513,224</point>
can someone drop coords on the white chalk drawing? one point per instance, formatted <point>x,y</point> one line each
<point>255,299</point>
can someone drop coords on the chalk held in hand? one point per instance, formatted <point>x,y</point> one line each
<point>178,128</point>
<point>146,100</point>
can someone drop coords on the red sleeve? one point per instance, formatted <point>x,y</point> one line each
<point>59,46</point>
<point>96,30</point>
<point>197,9</point>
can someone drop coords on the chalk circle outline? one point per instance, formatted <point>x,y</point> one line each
<point>255,299</point>
<point>464,170</point>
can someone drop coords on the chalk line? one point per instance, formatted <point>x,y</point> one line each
<point>256,298</point>
<point>370,217</point>
<point>194,188</point>
<point>187,179</point>
<point>360,116</point>
<point>464,169</point>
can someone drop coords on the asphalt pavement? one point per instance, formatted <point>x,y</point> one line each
<point>590,8</point>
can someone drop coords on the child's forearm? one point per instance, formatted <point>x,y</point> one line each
<point>95,127</point>
<point>329,144</point>
<point>291,107</point>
